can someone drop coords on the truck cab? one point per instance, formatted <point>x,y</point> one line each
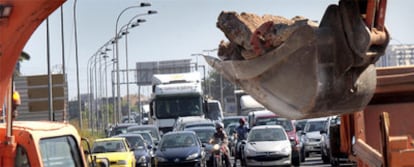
<point>41,143</point>
<point>176,95</point>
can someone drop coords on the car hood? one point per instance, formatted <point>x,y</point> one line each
<point>268,146</point>
<point>140,152</point>
<point>113,156</point>
<point>313,135</point>
<point>177,152</point>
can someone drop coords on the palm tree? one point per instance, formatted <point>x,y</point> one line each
<point>23,56</point>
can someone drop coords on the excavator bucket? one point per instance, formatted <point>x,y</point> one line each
<point>315,72</point>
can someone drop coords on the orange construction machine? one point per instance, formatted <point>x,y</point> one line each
<point>29,143</point>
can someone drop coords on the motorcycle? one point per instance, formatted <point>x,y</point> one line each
<point>218,154</point>
<point>239,148</point>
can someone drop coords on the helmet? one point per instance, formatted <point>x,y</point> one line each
<point>219,125</point>
<point>242,120</point>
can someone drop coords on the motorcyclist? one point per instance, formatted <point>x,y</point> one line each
<point>241,134</point>
<point>220,134</point>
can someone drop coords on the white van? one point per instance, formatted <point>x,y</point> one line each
<point>214,110</point>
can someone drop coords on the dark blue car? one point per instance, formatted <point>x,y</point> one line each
<point>142,150</point>
<point>180,148</point>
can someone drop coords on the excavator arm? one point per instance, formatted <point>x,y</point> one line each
<point>18,20</point>
<point>317,71</point>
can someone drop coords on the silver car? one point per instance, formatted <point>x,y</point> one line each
<point>267,145</point>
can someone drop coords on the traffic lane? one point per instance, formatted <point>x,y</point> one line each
<point>316,160</point>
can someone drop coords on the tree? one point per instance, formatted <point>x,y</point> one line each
<point>23,56</point>
<point>212,86</point>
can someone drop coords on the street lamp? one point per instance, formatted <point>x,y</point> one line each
<point>221,76</point>
<point>196,55</point>
<point>117,53</point>
<point>131,24</point>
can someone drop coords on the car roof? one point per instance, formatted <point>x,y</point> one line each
<point>262,113</point>
<point>233,117</point>
<point>201,128</point>
<point>318,119</point>
<point>233,124</point>
<point>110,139</point>
<point>179,132</point>
<point>142,126</point>
<point>125,124</point>
<point>190,118</point>
<point>267,126</point>
<point>127,134</point>
<point>200,122</point>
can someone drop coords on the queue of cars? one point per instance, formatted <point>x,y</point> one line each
<point>272,140</point>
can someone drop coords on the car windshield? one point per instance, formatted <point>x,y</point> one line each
<point>199,125</point>
<point>174,107</point>
<point>119,130</point>
<point>285,123</point>
<point>267,134</point>
<point>178,140</point>
<point>152,130</point>
<point>231,129</point>
<point>135,142</point>
<point>313,126</point>
<point>108,146</point>
<point>228,121</point>
<point>147,137</point>
<point>204,134</point>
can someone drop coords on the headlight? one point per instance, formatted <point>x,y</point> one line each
<point>161,159</point>
<point>250,151</point>
<point>192,156</point>
<point>216,147</point>
<point>121,162</point>
<point>142,159</point>
<point>286,150</point>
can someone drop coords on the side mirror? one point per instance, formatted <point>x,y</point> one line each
<point>149,147</point>
<point>303,133</point>
<point>244,142</point>
<point>203,145</point>
<point>323,132</point>
<point>156,143</point>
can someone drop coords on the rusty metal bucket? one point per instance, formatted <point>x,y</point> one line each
<point>315,72</point>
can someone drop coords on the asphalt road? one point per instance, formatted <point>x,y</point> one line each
<point>313,161</point>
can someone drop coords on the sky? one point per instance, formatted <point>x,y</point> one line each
<point>179,29</point>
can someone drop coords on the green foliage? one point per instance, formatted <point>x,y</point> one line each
<point>85,131</point>
<point>212,86</point>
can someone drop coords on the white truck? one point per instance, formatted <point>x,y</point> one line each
<point>176,95</point>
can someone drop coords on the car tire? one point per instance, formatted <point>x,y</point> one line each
<point>149,164</point>
<point>302,155</point>
<point>325,158</point>
<point>296,158</point>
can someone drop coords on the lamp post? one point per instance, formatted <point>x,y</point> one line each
<point>221,76</point>
<point>131,24</point>
<point>117,53</point>
<point>90,88</point>
<point>93,59</point>
<point>196,55</point>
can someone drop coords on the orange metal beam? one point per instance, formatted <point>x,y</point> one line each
<point>16,30</point>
